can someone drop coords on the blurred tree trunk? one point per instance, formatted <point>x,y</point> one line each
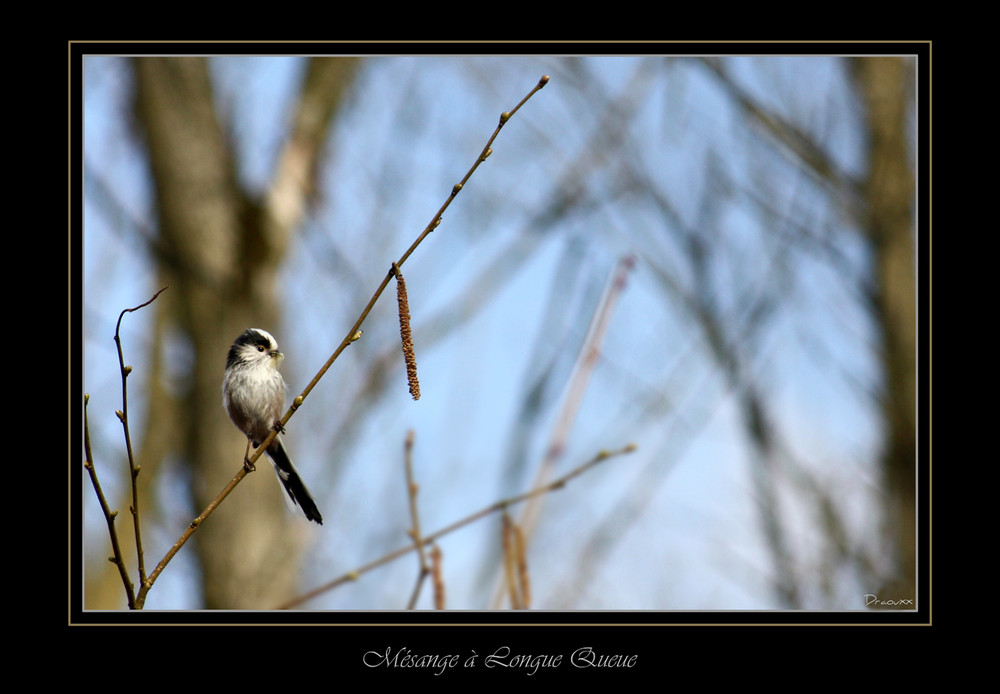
<point>219,250</point>
<point>889,191</point>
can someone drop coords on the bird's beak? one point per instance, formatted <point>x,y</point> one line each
<point>277,355</point>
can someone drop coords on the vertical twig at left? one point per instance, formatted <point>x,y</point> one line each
<point>133,468</point>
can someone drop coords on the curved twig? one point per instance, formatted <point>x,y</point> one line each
<point>123,416</point>
<point>352,335</point>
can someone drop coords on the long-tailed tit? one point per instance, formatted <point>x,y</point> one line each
<point>253,393</point>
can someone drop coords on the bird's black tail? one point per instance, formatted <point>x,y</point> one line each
<point>291,481</point>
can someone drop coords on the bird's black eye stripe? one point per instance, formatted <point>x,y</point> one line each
<point>254,338</point>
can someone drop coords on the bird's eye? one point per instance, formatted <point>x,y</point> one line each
<point>260,348</point>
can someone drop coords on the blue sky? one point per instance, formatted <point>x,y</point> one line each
<point>410,129</point>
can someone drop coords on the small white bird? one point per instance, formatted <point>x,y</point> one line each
<point>253,393</point>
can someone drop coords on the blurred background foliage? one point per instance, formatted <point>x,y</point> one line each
<point>759,348</point>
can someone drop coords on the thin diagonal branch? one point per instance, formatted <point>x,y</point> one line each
<point>586,361</point>
<point>435,221</point>
<point>352,335</point>
<point>495,507</point>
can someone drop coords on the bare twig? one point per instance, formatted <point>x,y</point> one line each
<point>411,494</point>
<point>109,515</point>
<point>507,545</point>
<point>195,524</point>
<point>586,361</point>
<point>495,507</point>
<point>438,574</point>
<point>352,335</point>
<point>123,416</point>
<point>521,558</point>
<point>435,221</point>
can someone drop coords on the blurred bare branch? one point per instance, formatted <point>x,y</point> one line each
<point>768,202</point>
